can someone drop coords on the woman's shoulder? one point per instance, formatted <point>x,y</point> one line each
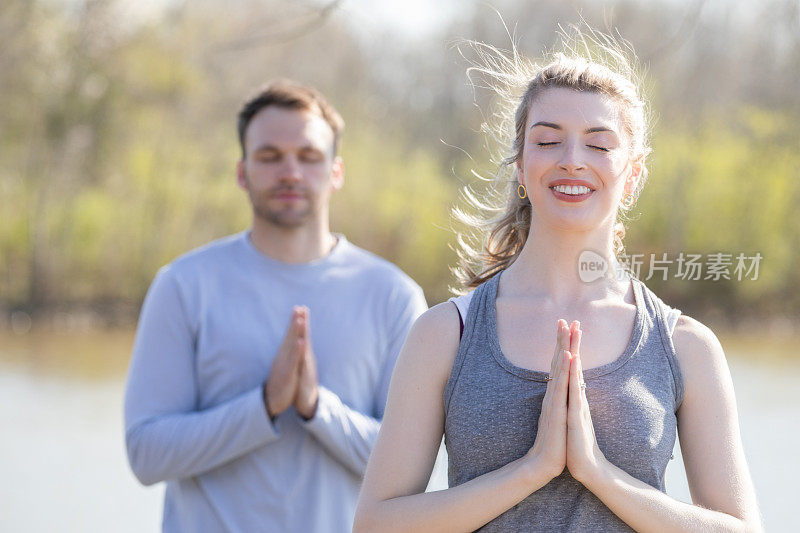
<point>438,326</point>
<point>438,315</point>
<point>700,355</point>
<point>433,341</point>
<point>692,337</point>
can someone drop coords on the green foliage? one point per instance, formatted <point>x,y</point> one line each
<point>396,203</point>
<point>118,146</point>
<point>725,183</point>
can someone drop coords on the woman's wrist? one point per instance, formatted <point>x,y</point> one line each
<point>535,474</point>
<point>594,479</point>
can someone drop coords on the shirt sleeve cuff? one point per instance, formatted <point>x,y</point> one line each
<point>258,418</point>
<point>327,404</point>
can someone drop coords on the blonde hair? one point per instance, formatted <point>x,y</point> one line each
<point>588,61</point>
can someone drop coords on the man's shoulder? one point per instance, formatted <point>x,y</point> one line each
<point>373,268</point>
<point>205,258</point>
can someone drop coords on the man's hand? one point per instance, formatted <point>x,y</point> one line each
<point>281,387</point>
<point>308,386</point>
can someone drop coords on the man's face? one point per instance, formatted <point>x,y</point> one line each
<point>289,169</point>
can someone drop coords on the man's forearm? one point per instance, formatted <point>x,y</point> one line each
<point>345,433</point>
<point>646,509</point>
<point>180,445</point>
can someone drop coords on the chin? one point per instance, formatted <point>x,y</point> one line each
<point>286,219</point>
<point>572,223</point>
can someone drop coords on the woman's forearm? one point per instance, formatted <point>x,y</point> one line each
<point>646,509</point>
<point>463,508</point>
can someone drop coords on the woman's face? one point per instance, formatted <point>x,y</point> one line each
<point>575,162</point>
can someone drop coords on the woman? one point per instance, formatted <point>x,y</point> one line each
<point>575,437</point>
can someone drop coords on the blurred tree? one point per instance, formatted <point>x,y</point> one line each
<point>118,141</point>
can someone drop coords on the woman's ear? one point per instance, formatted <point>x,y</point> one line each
<point>637,169</point>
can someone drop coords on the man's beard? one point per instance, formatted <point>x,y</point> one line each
<point>287,217</point>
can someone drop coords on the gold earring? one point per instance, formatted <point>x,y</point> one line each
<point>522,192</point>
<point>628,200</point>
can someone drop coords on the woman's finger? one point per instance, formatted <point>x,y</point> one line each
<point>563,377</point>
<point>556,351</point>
<point>573,386</point>
<point>554,359</point>
<point>555,366</point>
<point>560,325</point>
<point>575,337</point>
<point>565,335</point>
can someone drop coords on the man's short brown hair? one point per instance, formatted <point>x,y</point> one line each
<point>288,94</point>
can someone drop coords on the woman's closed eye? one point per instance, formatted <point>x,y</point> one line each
<point>552,143</point>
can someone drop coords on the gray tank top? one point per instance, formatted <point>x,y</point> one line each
<point>492,410</point>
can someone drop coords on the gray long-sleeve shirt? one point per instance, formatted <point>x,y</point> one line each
<point>210,327</point>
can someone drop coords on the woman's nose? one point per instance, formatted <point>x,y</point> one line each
<point>571,158</point>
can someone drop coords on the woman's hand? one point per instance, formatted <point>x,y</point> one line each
<point>549,452</point>
<point>584,458</point>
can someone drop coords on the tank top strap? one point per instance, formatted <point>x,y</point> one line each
<point>664,319</point>
<point>462,305</point>
<point>476,301</point>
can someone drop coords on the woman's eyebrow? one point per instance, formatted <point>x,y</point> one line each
<point>594,129</point>
<point>547,125</point>
<point>597,129</point>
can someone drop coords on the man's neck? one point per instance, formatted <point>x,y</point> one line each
<point>292,245</point>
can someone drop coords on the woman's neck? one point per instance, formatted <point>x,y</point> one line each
<point>554,264</point>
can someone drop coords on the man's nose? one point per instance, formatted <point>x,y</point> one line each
<point>290,171</point>
<point>571,160</point>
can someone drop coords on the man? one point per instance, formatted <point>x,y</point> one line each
<point>262,360</point>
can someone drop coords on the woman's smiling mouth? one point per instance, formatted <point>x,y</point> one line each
<point>571,193</point>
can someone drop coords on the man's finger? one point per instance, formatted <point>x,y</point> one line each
<point>298,352</point>
<point>299,317</point>
<point>302,355</point>
<point>307,324</point>
<point>294,322</point>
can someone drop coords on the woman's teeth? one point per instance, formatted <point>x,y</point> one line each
<point>574,190</point>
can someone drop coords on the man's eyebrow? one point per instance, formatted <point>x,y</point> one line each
<point>594,129</point>
<point>273,148</point>
<point>265,148</point>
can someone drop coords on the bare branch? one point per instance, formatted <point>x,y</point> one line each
<point>318,18</point>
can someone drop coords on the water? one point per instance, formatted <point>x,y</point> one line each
<point>62,456</point>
